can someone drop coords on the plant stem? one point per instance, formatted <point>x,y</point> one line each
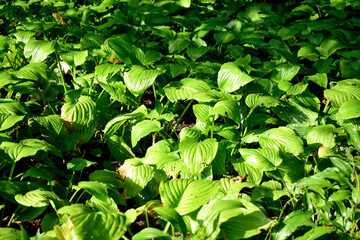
<point>168,224</point>
<point>11,171</point>
<point>11,65</point>
<point>164,137</point>
<point>13,216</point>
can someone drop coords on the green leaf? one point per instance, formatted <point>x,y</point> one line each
<point>78,164</point>
<point>185,89</point>
<point>224,37</point>
<point>254,175</point>
<point>342,92</point>
<point>196,52</point>
<point>143,129</point>
<point>231,78</point>
<point>114,124</point>
<point>52,123</point>
<point>291,223</point>
<point>37,198</point>
<point>317,232</point>
<point>74,58</point>
<point>119,149</point>
<point>283,138</point>
<point>38,50</point>
<point>96,189</point>
<point>320,79</point>
<point>170,215</point>
<point>321,136</point>
<point>350,109</point>
<point>151,234</point>
<point>184,3</point>
<point>78,112</point>
<point>27,148</point>
<point>136,174</point>
<point>230,109</point>
<point>197,155</point>
<point>37,173</point>
<point>128,53</point>
<point>286,72</point>
<point>9,190</point>
<point>11,112</point>
<point>258,99</point>
<point>139,78</point>
<point>266,159</point>
<point>10,233</point>
<point>99,225</point>
<point>34,71</point>
<point>186,196</point>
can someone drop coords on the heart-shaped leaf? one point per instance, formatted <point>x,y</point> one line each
<point>185,88</point>
<point>38,50</point>
<point>231,78</point>
<point>139,78</point>
<point>143,129</point>
<point>197,155</point>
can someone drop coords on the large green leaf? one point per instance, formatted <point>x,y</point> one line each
<point>197,155</point>
<point>38,50</point>
<point>34,71</point>
<point>151,234</point>
<point>283,138</point>
<point>37,198</point>
<point>139,78</point>
<point>342,92</point>
<point>128,53</point>
<point>99,225</point>
<point>170,215</point>
<point>231,78</point>
<point>9,190</point>
<point>119,149</point>
<point>51,122</point>
<point>230,109</point>
<point>136,174</point>
<point>321,136</point>
<point>78,112</point>
<point>185,88</point>
<point>266,159</point>
<point>286,72</point>
<point>244,222</point>
<point>186,196</point>
<point>258,99</point>
<point>74,58</point>
<point>291,223</point>
<point>27,148</point>
<point>143,129</point>
<point>7,233</point>
<point>11,112</point>
<point>164,158</point>
<point>114,124</point>
<point>350,109</point>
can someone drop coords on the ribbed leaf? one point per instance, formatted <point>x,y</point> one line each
<point>50,122</point>
<point>74,58</point>
<point>11,112</point>
<point>27,148</point>
<point>151,234</point>
<point>136,174</point>
<point>34,71</point>
<point>9,190</point>
<point>185,89</point>
<point>211,96</point>
<point>114,124</point>
<point>286,72</point>
<point>231,78</point>
<point>37,198</point>
<point>266,159</point>
<point>341,93</point>
<point>186,196</point>
<point>350,109</point>
<point>78,164</point>
<point>96,189</point>
<point>258,99</point>
<point>170,215</point>
<point>78,112</point>
<point>128,53</point>
<point>119,148</point>
<point>321,136</point>
<point>139,78</point>
<point>230,109</point>
<point>143,129</point>
<point>202,111</point>
<point>100,225</point>
<point>283,138</point>
<point>197,155</point>
<point>38,50</point>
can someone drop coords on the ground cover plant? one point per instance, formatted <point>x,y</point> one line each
<point>180,119</point>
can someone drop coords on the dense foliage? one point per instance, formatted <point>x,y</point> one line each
<point>167,119</point>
